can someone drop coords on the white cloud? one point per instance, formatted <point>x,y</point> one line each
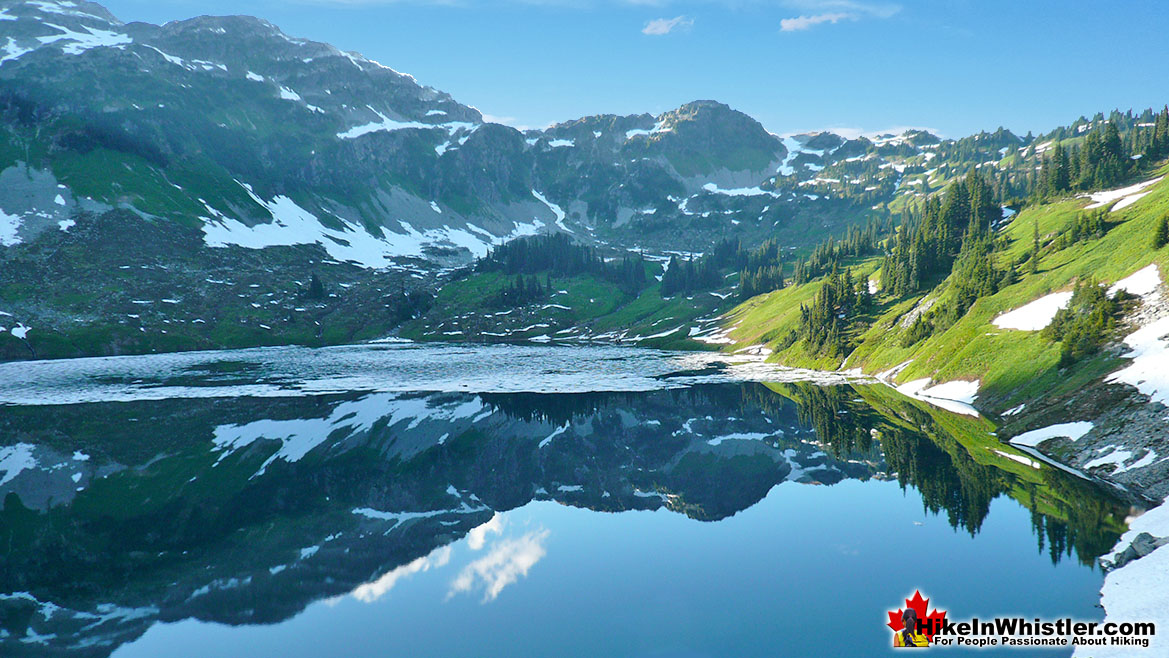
<point>478,535</point>
<point>370,592</point>
<point>662,26</point>
<point>504,564</point>
<point>806,22</point>
<point>832,12</point>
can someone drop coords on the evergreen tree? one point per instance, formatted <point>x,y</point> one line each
<point>1161,235</point>
<point>558,255</point>
<point>316,290</point>
<point>1034,264</point>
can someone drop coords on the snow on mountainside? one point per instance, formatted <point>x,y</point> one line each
<point>307,144</point>
<point>227,151</point>
<point>351,152</point>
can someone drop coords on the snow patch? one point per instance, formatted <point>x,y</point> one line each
<point>1036,315</point>
<point>660,127</point>
<point>83,41</point>
<point>1071,431</point>
<point>1143,283</point>
<point>556,210</point>
<point>293,225</point>
<point>739,191</point>
<point>387,124</point>
<point>742,436</point>
<point>9,224</point>
<point>955,396</point>
<point>14,460</point>
<point>1114,456</point>
<point>1101,199</point>
<point>1149,371</point>
<point>1139,590</point>
<point>1019,458</point>
<point>548,439</point>
<point>13,51</point>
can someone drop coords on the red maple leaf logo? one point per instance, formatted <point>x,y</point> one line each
<point>919,605</point>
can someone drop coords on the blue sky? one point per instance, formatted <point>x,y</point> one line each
<point>955,66</point>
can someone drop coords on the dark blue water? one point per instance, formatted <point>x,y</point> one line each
<point>807,571</point>
<point>225,508</point>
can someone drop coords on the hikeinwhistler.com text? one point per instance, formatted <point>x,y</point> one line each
<point>1020,632</point>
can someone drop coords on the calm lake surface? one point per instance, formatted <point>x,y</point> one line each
<point>406,500</point>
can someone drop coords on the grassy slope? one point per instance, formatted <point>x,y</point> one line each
<point>766,319</point>
<point>593,304</point>
<point>1011,365</point>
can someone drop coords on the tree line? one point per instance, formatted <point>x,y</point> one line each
<point>557,255</point>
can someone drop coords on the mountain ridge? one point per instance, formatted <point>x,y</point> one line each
<point>289,157</point>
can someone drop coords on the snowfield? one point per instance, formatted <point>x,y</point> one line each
<point>1071,431</point>
<point>1036,315</point>
<point>660,127</point>
<point>957,396</point>
<point>739,191</point>
<point>14,460</point>
<point>1125,195</point>
<point>556,210</point>
<point>1149,371</point>
<point>294,225</point>
<point>1138,591</point>
<point>386,124</point>
<point>9,224</point>
<point>75,43</point>
<point>1143,283</point>
<point>1019,458</point>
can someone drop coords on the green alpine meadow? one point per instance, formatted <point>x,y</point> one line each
<point>303,356</point>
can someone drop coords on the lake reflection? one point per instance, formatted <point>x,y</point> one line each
<point>666,522</point>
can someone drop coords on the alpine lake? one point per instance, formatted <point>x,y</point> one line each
<point>452,500</point>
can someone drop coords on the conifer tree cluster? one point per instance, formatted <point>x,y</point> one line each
<point>1155,139</point>
<point>316,290</point>
<point>557,255</point>
<point>1161,233</point>
<point>1082,327</point>
<point>1102,161</point>
<point>857,241</point>
<point>685,276</point>
<point>974,276</point>
<point>822,325</point>
<point>689,275</point>
<point>521,291</point>
<point>764,268</point>
<point>926,245</point>
<point>1086,226</point>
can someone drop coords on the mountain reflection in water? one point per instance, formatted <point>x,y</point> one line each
<point>248,510</point>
